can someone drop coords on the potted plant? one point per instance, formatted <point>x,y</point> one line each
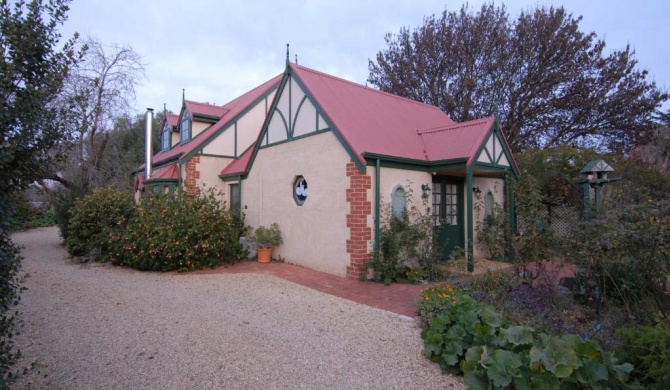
<point>266,238</point>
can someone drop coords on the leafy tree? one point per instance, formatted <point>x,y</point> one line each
<point>552,82</point>
<point>32,70</point>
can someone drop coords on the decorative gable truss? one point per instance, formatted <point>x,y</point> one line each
<point>295,115</point>
<point>495,153</point>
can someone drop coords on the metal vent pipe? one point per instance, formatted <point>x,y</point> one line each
<point>149,150</point>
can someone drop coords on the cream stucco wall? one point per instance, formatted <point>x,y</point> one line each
<point>315,234</point>
<point>198,127</point>
<point>390,178</point>
<point>210,168</point>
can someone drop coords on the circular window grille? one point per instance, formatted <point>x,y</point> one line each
<point>300,190</point>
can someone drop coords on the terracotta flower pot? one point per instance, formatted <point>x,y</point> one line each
<point>264,255</point>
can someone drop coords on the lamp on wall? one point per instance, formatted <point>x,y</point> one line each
<point>425,191</point>
<point>477,192</point>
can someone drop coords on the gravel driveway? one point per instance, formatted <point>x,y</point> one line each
<point>93,326</point>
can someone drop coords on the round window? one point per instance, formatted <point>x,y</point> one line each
<point>300,190</point>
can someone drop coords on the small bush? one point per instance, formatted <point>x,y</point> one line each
<point>179,232</point>
<point>473,339</point>
<point>648,348</point>
<point>95,216</point>
<point>63,203</point>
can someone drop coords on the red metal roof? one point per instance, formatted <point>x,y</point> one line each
<point>372,121</point>
<point>234,107</point>
<point>461,140</point>
<point>239,165</point>
<point>173,119</point>
<point>170,171</point>
<point>205,109</point>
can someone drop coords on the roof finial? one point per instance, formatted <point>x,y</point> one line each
<point>296,58</point>
<point>164,109</point>
<point>287,54</point>
<point>183,95</point>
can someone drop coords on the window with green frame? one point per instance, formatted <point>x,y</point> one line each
<point>185,128</point>
<point>235,201</point>
<point>166,137</point>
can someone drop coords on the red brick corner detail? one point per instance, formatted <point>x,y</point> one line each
<point>192,175</point>
<point>360,209</point>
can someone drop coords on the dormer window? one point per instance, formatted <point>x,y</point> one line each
<point>166,137</point>
<point>185,128</point>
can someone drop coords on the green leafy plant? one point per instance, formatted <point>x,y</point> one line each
<point>179,231</point>
<point>406,247</point>
<point>648,348</point>
<point>493,233</point>
<point>266,237</point>
<point>473,339</point>
<point>95,216</point>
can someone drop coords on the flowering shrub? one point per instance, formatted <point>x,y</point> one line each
<point>179,232</point>
<point>473,339</point>
<point>94,217</point>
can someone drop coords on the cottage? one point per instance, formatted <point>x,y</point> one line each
<point>203,138</point>
<point>327,153</point>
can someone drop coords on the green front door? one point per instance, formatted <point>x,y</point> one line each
<point>448,214</point>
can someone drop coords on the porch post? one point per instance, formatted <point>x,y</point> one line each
<point>470,228</point>
<point>377,206</point>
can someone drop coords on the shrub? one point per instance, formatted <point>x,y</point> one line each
<point>406,247</point>
<point>10,288</point>
<point>179,232</point>
<point>95,216</point>
<point>471,338</point>
<point>493,233</point>
<point>648,348</point>
<point>64,201</point>
<point>625,255</point>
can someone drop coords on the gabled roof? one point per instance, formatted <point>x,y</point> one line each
<point>173,120</point>
<point>205,109</point>
<point>371,121</point>
<point>239,166</point>
<point>460,140</point>
<point>166,173</point>
<point>233,109</point>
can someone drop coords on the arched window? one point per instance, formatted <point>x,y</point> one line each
<point>488,204</point>
<point>398,201</point>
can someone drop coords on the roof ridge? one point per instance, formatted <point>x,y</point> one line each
<point>204,104</point>
<point>397,97</point>
<point>474,122</point>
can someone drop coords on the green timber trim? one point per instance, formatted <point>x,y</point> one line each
<point>228,124</point>
<point>495,132</point>
<point>377,205</point>
<point>470,217</point>
<point>330,126</point>
<point>297,114</point>
<point>359,160</point>
<point>413,164</point>
<point>152,182</point>
<point>296,138</point>
<point>233,177</point>
<point>216,155</point>
<point>235,141</point>
<point>206,118</point>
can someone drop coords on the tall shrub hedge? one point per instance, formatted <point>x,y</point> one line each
<point>94,217</point>
<point>179,232</point>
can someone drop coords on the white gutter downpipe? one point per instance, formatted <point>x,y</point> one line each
<point>149,150</point>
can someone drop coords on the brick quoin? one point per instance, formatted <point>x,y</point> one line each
<point>192,175</point>
<point>357,221</point>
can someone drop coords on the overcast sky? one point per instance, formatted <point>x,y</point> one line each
<point>217,50</point>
